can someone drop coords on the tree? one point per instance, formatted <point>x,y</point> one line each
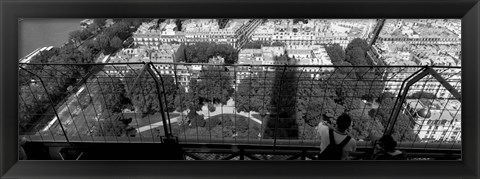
<point>353,83</point>
<point>78,35</point>
<point>364,127</point>
<point>69,53</point>
<point>113,93</point>
<point>256,44</point>
<point>89,51</point>
<point>221,132</point>
<point>101,42</point>
<point>371,83</point>
<point>199,132</point>
<point>196,53</point>
<point>315,101</point>
<point>179,23</point>
<point>176,130</point>
<point>211,107</point>
<point>253,132</point>
<point>336,53</point>
<point>307,132</point>
<point>120,29</point>
<point>403,128</point>
<point>300,20</point>
<point>84,100</point>
<point>99,22</point>
<point>201,52</point>
<point>58,78</point>
<point>144,94</point>
<point>44,56</point>
<point>254,93</point>
<point>227,52</point>
<point>357,42</point>
<point>32,100</point>
<point>386,95</point>
<point>278,44</point>
<point>116,43</point>
<point>107,41</point>
<point>213,122</point>
<point>197,120</point>
<point>356,52</point>
<point>241,124</point>
<point>356,56</point>
<point>352,103</point>
<point>215,85</point>
<point>222,23</point>
<point>115,125</point>
<point>192,100</point>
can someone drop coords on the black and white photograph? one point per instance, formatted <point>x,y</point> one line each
<point>239,89</point>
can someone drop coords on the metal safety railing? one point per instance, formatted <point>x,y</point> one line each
<point>276,105</point>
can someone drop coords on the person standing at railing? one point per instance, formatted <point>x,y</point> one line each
<point>385,149</point>
<point>335,143</point>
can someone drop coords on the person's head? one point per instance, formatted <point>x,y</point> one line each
<point>343,122</point>
<point>387,143</point>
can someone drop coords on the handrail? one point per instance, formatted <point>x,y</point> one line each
<point>246,65</point>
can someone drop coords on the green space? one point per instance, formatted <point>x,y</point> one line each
<point>139,121</point>
<point>219,126</point>
<point>83,46</point>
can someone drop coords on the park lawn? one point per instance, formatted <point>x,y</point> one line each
<point>234,117</point>
<point>181,129</point>
<point>158,131</point>
<point>139,121</point>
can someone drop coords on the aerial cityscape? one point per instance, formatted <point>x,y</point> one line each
<point>270,82</point>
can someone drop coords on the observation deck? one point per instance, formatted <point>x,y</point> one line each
<point>184,111</point>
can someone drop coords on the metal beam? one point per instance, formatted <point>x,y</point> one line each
<point>404,90</point>
<point>445,84</point>
<point>402,96</point>
<point>146,68</point>
<point>51,102</point>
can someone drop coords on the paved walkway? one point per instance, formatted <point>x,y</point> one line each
<point>63,108</point>
<point>227,109</point>
<point>157,124</point>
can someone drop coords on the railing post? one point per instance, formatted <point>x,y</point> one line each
<point>159,96</point>
<point>404,91</point>
<point>242,154</point>
<point>164,97</point>
<point>146,68</point>
<point>401,99</point>
<point>304,154</point>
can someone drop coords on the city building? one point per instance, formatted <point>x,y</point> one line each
<point>302,55</point>
<point>235,33</point>
<point>162,55</point>
<point>414,31</point>
<point>147,34</point>
<point>435,120</point>
<point>314,31</point>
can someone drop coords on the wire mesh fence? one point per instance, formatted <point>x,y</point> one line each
<point>249,104</point>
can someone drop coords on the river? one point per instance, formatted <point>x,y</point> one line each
<point>37,33</point>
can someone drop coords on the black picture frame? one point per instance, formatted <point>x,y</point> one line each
<point>467,10</point>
